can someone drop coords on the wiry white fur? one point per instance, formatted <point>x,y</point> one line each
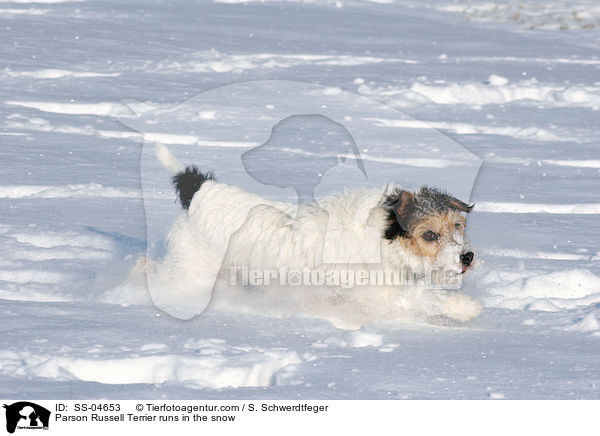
<point>227,226</point>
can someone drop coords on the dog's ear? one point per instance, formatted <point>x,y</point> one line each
<point>405,205</point>
<point>456,204</point>
<point>404,208</point>
<point>401,207</point>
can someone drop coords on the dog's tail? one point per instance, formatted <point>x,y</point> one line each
<point>170,162</point>
<point>187,180</point>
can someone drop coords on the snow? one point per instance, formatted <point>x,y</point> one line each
<point>364,339</point>
<point>216,365</point>
<point>15,11</point>
<point>216,62</point>
<point>497,80</point>
<point>466,128</point>
<point>521,208</point>
<point>495,101</point>
<point>498,92</point>
<point>547,15</point>
<point>587,324</point>
<point>103,108</point>
<point>51,73</point>
<point>66,191</point>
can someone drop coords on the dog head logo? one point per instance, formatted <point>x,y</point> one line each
<point>299,151</point>
<point>26,415</point>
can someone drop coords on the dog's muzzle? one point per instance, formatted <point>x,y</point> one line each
<point>466,259</point>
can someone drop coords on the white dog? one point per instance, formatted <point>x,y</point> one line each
<point>390,246</point>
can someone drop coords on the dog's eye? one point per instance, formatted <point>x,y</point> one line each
<point>430,236</point>
<point>458,226</point>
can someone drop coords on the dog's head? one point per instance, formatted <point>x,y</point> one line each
<point>428,223</point>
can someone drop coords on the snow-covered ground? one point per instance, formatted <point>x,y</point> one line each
<point>514,83</point>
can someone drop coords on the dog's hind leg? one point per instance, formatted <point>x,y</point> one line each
<point>182,283</point>
<point>134,290</point>
<point>182,290</point>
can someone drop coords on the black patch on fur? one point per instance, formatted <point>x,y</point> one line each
<point>188,182</point>
<point>399,214</point>
<point>394,229</point>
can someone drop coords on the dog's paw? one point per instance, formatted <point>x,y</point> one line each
<point>461,308</point>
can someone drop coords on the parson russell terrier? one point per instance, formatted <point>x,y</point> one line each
<point>406,252</point>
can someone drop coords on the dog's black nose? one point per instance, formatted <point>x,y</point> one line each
<point>467,258</point>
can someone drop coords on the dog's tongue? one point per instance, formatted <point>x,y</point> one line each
<point>464,269</point>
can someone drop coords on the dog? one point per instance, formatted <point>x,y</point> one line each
<point>227,236</point>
